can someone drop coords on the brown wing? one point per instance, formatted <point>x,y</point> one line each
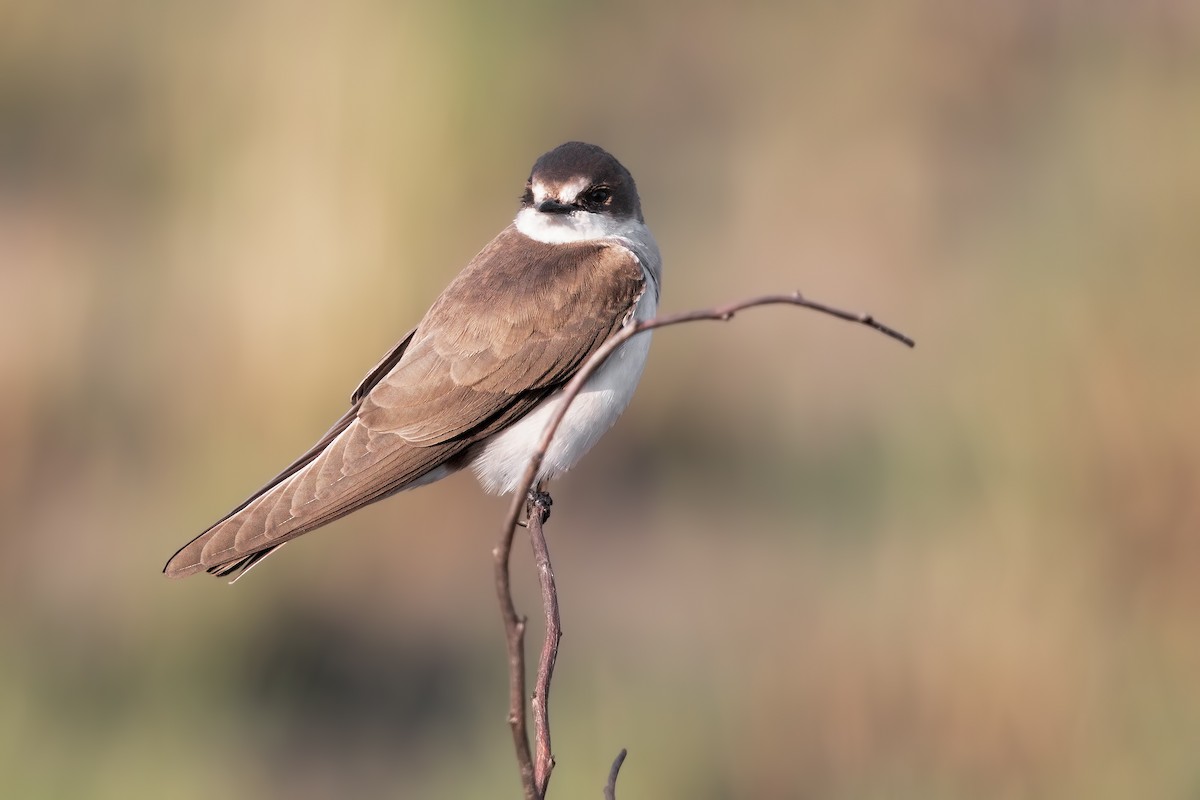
<point>504,329</point>
<point>503,335</point>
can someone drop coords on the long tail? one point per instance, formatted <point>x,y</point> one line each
<point>352,466</point>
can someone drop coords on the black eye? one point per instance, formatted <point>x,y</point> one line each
<point>527,198</point>
<point>597,196</point>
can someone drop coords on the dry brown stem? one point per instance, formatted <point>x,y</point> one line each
<point>610,788</point>
<point>535,775</point>
<point>543,758</point>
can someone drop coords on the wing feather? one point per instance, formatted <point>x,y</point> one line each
<point>460,369</point>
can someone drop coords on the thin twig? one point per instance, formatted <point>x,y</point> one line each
<point>514,635</point>
<point>719,313</point>
<point>514,626</point>
<point>543,758</point>
<point>610,788</point>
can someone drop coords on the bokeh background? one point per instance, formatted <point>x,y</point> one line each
<point>807,563</point>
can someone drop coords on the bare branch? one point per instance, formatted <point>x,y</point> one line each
<point>543,762</point>
<point>610,788</point>
<point>514,635</point>
<point>718,313</point>
<point>535,776</point>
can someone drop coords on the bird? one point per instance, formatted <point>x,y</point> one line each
<point>474,383</point>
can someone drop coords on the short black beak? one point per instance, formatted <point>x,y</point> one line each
<point>554,207</point>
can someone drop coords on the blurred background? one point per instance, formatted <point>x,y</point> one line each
<point>807,563</point>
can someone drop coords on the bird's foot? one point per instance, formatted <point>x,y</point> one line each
<point>539,499</point>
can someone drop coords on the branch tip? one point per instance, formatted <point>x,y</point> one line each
<point>610,788</point>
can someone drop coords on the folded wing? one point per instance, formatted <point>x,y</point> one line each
<point>503,336</point>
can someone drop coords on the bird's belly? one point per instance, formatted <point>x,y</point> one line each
<point>505,456</point>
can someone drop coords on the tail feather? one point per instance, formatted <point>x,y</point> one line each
<point>355,467</point>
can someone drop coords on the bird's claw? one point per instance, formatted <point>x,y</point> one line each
<point>540,499</point>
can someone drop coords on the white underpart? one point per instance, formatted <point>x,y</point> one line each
<point>505,457</point>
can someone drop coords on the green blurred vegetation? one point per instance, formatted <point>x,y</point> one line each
<point>807,563</point>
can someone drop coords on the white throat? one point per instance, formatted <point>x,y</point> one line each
<point>578,226</point>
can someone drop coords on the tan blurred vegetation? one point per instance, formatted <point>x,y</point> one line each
<point>807,563</point>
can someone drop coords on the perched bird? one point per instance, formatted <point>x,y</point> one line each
<point>475,382</point>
